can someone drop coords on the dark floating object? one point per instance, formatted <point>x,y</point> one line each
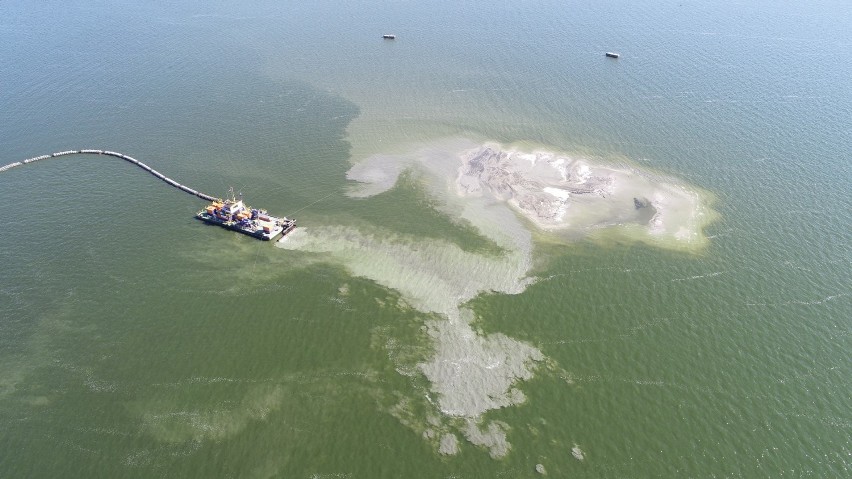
<point>611,54</point>
<point>389,36</point>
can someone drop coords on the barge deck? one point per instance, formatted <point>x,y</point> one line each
<point>235,215</point>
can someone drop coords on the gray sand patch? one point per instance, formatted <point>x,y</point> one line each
<point>449,445</point>
<point>492,436</point>
<point>474,374</point>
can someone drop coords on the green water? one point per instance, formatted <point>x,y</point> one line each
<point>137,342</point>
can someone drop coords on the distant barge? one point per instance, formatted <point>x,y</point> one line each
<point>233,214</point>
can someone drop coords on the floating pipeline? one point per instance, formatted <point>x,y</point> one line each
<point>115,154</point>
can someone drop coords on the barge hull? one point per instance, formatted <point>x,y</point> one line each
<point>282,230</point>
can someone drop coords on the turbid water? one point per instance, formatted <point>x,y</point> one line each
<point>451,306</point>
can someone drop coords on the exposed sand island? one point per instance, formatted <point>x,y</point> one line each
<point>505,194</point>
<point>557,192</point>
<point>560,192</point>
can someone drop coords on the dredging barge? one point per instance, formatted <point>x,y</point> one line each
<point>231,213</point>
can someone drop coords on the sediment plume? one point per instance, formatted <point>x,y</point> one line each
<point>506,194</point>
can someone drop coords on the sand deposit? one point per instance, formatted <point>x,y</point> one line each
<point>503,193</point>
